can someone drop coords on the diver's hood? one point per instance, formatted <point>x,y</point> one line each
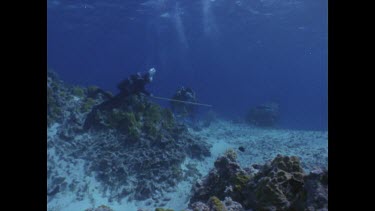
<point>151,73</point>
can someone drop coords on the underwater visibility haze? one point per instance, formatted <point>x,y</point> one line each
<point>260,69</point>
<point>234,54</point>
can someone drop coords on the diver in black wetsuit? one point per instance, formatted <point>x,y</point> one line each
<point>133,85</point>
<point>136,83</point>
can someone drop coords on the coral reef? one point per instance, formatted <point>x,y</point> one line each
<point>135,116</point>
<point>87,104</point>
<point>280,184</point>
<point>231,154</point>
<point>316,185</point>
<point>68,105</point>
<point>135,148</point>
<point>78,91</point>
<point>225,180</point>
<point>162,209</point>
<point>265,115</point>
<point>214,204</point>
<point>54,102</point>
<point>100,208</point>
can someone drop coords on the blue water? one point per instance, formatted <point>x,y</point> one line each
<point>234,54</point>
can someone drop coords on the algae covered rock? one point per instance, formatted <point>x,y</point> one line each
<point>132,146</point>
<point>147,143</point>
<point>316,185</point>
<point>134,117</point>
<point>162,209</point>
<point>55,99</point>
<point>215,204</point>
<point>280,184</point>
<point>100,208</point>
<point>225,180</point>
<point>265,115</point>
<point>68,104</point>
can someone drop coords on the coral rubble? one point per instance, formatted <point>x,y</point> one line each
<point>214,204</point>
<point>134,149</point>
<point>100,208</point>
<point>277,185</point>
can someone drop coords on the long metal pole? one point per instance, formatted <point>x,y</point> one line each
<point>181,101</point>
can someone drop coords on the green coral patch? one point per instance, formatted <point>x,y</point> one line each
<point>87,105</point>
<point>125,122</point>
<point>240,181</point>
<point>216,204</point>
<point>78,91</point>
<point>231,154</point>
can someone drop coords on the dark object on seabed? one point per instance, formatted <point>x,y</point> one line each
<point>265,115</point>
<point>241,148</point>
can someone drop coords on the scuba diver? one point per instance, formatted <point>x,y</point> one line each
<point>183,109</point>
<point>133,85</point>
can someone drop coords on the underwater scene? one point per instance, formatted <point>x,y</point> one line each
<point>187,105</point>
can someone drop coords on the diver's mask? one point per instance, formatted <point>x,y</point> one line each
<point>151,73</point>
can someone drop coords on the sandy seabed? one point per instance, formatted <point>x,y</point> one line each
<point>260,146</point>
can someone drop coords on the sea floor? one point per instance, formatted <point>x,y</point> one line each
<point>260,146</point>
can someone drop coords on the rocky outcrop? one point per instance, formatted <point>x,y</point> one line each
<point>280,184</point>
<point>214,204</point>
<point>100,208</point>
<point>69,105</point>
<point>227,179</point>
<point>135,149</point>
<point>316,185</point>
<point>265,115</point>
<point>141,169</point>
